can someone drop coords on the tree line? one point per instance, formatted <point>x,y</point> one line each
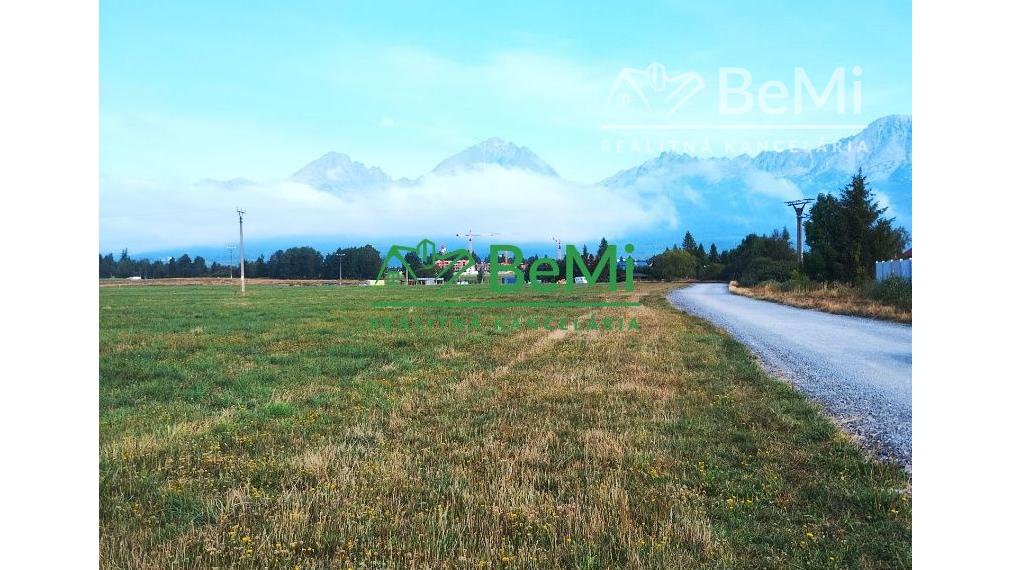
<point>293,263</point>
<point>845,235</point>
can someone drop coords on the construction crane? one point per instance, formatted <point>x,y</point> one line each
<point>470,239</point>
<point>558,246</point>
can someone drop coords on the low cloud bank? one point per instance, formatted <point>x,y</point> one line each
<point>520,205</point>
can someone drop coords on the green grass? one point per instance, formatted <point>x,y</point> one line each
<point>278,430</point>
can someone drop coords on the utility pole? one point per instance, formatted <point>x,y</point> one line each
<point>340,267</point>
<point>242,254</point>
<point>798,207</point>
<point>231,264</point>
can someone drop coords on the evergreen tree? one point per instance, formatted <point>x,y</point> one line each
<point>714,256</point>
<point>106,266</point>
<point>688,243</point>
<point>258,268</point>
<point>414,263</point>
<point>846,235</point>
<point>184,266</point>
<point>124,267</point>
<point>587,259</point>
<point>601,248</point>
<point>157,270</point>
<point>199,267</point>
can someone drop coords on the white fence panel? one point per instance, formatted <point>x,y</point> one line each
<point>899,267</point>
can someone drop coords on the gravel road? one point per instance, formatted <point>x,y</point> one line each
<point>860,370</point>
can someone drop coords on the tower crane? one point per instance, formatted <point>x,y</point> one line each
<point>470,239</point>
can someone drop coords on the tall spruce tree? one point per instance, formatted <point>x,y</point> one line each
<point>688,243</point>
<point>846,235</point>
<point>601,248</point>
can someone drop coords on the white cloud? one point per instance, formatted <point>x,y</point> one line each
<point>767,184</point>
<point>520,205</point>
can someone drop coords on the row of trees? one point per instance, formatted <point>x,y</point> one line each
<point>845,236</point>
<point>761,258</point>
<point>292,263</point>
<point>689,261</point>
<point>182,266</point>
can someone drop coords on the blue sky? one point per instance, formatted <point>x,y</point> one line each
<point>193,90</point>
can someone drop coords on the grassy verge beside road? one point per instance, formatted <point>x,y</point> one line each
<point>277,430</point>
<point>891,300</point>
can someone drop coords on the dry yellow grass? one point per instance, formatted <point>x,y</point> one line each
<point>838,299</point>
<point>666,447</point>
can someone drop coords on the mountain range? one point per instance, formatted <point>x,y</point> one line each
<point>651,205</point>
<point>718,199</point>
<point>336,172</point>
<point>726,198</point>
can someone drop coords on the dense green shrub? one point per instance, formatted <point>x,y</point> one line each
<point>894,291</point>
<point>675,264</point>
<point>761,258</point>
<point>711,272</point>
<point>765,269</point>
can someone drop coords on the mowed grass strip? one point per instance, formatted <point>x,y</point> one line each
<point>277,430</point>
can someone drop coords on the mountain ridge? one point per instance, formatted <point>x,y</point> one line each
<point>495,151</point>
<point>336,171</point>
<point>723,196</point>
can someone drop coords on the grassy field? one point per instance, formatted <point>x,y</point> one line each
<point>832,298</point>
<point>278,430</point>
